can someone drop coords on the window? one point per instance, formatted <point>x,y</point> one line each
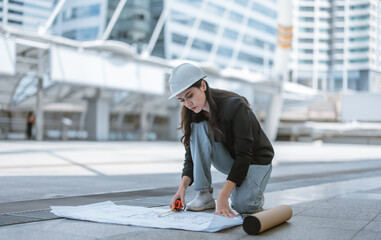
<point>324,19</point>
<point>359,28</point>
<point>81,12</point>
<point>82,34</point>
<point>202,45</point>
<point>339,29</point>
<point>306,40</point>
<point>363,60</point>
<point>16,2</point>
<point>324,51</point>
<point>339,40</point>
<point>339,51</point>
<point>14,12</point>
<point>215,9</point>
<point>339,19</point>
<point>228,33</point>
<point>242,2</point>
<point>264,10</point>
<point>262,26</point>
<point>361,6</point>
<point>236,17</point>
<point>306,19</point>
<point>360,17</point>
<point>306,9</point>
<point>195,3</point>
<point>340,8</point>
<point>14,21</point>
<point>324,40</point>
<point>87,33</point>
<point>250,58</point>
<point>325,9</point>
<point>182,18</point>
<point>225,51</point>
<point>307,51</point>
<point>208,27</point>
<point>305,61</point>
<point>324,30</point>
<point>180,39</point>
<point>359,39</point>
<point>253,41</point>
<point>358,50</point>
<point>310,30</point>
<point>338,62</point>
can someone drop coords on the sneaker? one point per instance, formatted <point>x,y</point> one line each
<point>203,201</point>
<point>262,203</point>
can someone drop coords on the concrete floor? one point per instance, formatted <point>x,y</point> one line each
<point>334,190</point>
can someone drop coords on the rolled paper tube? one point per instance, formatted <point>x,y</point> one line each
<point>261,221</point>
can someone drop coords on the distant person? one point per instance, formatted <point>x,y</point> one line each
<point>220,129</point>
<point>29,125</point>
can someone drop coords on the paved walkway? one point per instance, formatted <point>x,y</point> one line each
<point>334,190</point>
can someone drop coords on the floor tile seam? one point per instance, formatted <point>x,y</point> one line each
<point>337,217</point>
<point>345,196</point>
<point>90,149</point>
<point>27,222</point>
<point>12,215</point>
<point>334,228</point>
<point>341,218</point>
<point>140,196</point>
<point>119,236</point>
<point>321,175</point>
<point>362,229</point>
<point>144,162</point>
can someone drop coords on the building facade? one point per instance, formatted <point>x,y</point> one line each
<point>25,14</point>
<point>238,34</point>
<point>336,45</point>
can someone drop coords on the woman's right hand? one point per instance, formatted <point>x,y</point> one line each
<point>179,194</point>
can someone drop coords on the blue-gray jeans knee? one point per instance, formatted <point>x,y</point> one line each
<point>206,151</point>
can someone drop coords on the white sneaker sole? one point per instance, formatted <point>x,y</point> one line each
<point>209,205</point>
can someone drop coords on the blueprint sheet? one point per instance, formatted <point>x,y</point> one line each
<point>108,212</point>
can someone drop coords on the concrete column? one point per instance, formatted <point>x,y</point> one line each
<point>39,112</point>
<point>281,68</point>
<point>82,122</point>
<point>273,114</point>
<point>143,121</point>
<point>98,119</point>
<point>174,120</point>
<point>119,124</point>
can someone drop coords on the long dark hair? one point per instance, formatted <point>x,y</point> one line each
<point>188,116</point>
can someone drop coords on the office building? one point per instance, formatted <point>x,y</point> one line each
<point>237,34</point>
<point>28,15</point>
<point>336,44</point>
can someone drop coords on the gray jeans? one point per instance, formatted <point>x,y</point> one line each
<point>206,151</point>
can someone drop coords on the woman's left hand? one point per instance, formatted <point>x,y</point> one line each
<point>223,208</point>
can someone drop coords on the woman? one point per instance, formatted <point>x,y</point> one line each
<point>220,129</point>
<point>29,125</point>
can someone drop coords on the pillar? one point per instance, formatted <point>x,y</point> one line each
<point>98,119</point>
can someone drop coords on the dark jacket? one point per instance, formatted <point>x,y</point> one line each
<point>242,136</point>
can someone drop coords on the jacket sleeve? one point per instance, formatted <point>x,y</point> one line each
<point>243,141</point>
<point>188,165</point>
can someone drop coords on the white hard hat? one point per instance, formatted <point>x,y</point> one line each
<point>184,76</point>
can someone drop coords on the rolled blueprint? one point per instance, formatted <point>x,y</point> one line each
<point>261,221</point>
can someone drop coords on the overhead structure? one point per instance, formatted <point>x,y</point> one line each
<point>44,72</point>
